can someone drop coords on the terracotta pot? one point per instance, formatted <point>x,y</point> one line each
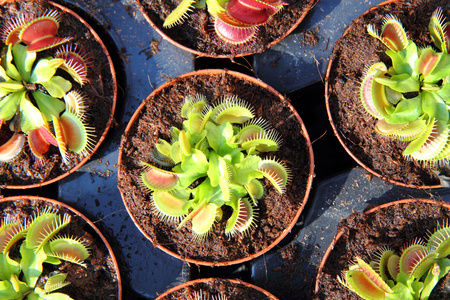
<point>109,104</point>
<point>178,39</point>
<point>392,171</point>
<point>417,230</point>
<point>232,285</point>
<point>26,205</point>
<point>213,84</point>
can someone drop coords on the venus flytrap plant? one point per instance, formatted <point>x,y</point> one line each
<point>412,275</point>
<point>235,21</point>
<point>411,97</point>
<point>26,246</point>
<point>214,161</point>
<point>37,98</point>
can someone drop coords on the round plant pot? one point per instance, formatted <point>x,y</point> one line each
<point>392,225</point>
<point>197,36</point>
<point>100,94</point>
<point>101,277</point>
<point>353,53</point>
<point>277,213</point>
<point>229,288</point>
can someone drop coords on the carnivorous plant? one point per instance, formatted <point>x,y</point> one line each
<point>37,98</point>
<point>24,248</point>
<point>412,275</point>
<point>235,21</point>
<point>411,97</point>
<point>214,161</point>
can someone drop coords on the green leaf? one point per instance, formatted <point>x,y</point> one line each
<point>407,110</point>
<point>9,105</point>
<point>8,267</point>
<point>444,93</point>
<point>433,105</point>
<point>196,163</point>
<point>57,86</point>
<point>403,61</point>
<point>441,70</point>
<point>216,6</point>
<point>11,69</point>
<point>3,74</point>
<point>31,116</point>
<point>400,291</point>
<point>11,86</point>
<point>55,296</point>
<point>247,169</point>
<point>45,69</point>
<point>402,83</point>
<point>24,61</point>
<point>31,264</point>
<point>218,135</point>
<point>7,291</point>
<point>48,105</point>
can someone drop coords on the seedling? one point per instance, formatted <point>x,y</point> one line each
<point>25,247</point>
<point>412,275</point>
<point>37,98</point>
<point>235,21</point>
<point>411,97</point>
<point>214,161</point>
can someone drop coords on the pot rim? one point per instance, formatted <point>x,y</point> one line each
<point>309,181</point>
<point>374,209</point>
<point>82,216</point>
<point>205,280</point>
<point>341,140</point>
<point>113,104</point>
<point>230,56</point>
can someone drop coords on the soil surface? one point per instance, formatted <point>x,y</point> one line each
<point>99,279</point>
<point>352,54</point>
<point>216,288</point>
<point>98,93</point>
<point>276,211</point>
<point>364,234</point>
<point>197,32</point>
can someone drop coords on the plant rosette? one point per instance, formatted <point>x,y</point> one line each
<point>217,28</point>
<point>55,106</point>
<point>387,144</point>
<point>216,288</point>
<point>405,241</point>
<point>51,251</point>
<point>239,174</point>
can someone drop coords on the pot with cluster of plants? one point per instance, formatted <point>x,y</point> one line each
<point>224,28</point>
<point>216,288</point>
<point>398,250</point>
<point>389,106</point>
<point>50,251</point>
<point>203,170</point>
<point>55,108</point>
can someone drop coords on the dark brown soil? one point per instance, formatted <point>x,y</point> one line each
<point>217,287</point>
<point>99,279</point>
<point>351,55</point>
<point>99,95</point>
<point>275,211</point>
<point>197,32</point>
<point>364,234</point>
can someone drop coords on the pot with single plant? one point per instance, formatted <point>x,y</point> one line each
<point>388,93</point>
<point>51,251</point>
<point>398,250</point>
<point>216,288</point>
<point>204,170</point>
<point>55,108</point>
<point>226,28</point>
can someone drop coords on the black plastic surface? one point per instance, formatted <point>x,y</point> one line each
<point>143,62</point>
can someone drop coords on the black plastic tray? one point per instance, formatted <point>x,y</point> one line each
<point>143,62</point>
